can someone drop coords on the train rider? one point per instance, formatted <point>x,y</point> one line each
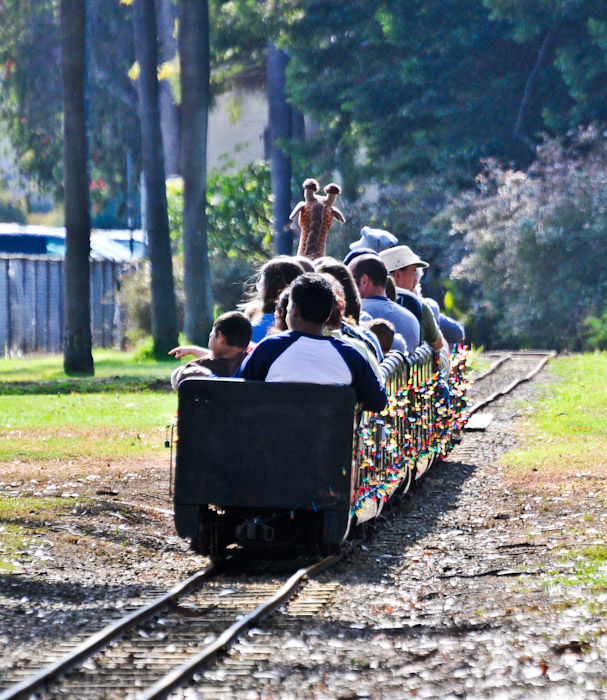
<point>402,263</point>
<point>305,354</point>
<point>370,275</point>
<point>228,343</point>
<point>453,331</point>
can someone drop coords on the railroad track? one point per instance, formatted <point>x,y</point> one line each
<point>157,648</point>
<point>507,371</point>
<point>153,651</point>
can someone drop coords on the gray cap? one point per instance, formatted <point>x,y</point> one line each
<point>374,238</point>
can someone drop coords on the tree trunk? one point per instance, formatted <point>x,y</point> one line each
<point>279,129</point>
<point>77,349</point>
<point>193,40</point>
<point>298,126</point>
<point>519,127</point>
<point>169,113</point>
<point>164,313</point>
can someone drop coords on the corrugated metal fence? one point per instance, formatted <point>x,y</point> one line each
<point>32,304</point>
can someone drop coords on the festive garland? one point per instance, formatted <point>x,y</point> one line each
<point>426,411</point>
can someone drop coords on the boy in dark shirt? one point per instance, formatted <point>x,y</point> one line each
<point>228,343</point>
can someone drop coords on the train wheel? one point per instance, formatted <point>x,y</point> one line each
<point>218,542</point>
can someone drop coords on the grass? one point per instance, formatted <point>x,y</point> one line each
<point>565,452</point>
<point>114,370</point>
<point>567,433</point>
<point>590,569</point>
<point>121,412</point>
<point>22,520</point>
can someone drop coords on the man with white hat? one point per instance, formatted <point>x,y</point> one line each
<point>402,263</point>
<point>370,276</point>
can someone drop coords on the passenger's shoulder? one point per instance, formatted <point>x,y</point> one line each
<point>348,350</point>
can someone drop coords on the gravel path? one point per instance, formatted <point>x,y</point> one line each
<point>463,594</point>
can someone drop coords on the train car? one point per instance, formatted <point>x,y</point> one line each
<point>299,465</point>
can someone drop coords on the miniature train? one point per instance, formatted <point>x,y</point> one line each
<point>299,465</point>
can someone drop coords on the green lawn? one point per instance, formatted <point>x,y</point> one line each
<point>568,430</point>
<point>121,411</point>
<point>114,370</point>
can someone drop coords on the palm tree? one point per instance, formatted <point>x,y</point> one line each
<point>169,114</point>
<point>193,42</point>
<point>164,311</point>
<point>280,129</point>
<point>77,348</point>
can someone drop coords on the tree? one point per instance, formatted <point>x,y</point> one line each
<point>193,41</point>
<point>279,135</point>
<point>412,85</point>
<point>535,246</point>
<point>170,122</point>
<point>31,101</point>
<point>77,350</point>
<point>164,312</point>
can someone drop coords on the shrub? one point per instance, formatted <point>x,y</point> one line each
<point>239,235</point>
<point>535,246</point>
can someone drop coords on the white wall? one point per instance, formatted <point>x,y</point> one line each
<point>236,127</point>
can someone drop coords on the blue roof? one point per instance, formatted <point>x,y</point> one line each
<point>118,246</point>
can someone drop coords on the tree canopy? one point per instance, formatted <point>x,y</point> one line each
<point>405,101</point>
<point>421,84</point>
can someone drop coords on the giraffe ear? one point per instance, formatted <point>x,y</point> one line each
<point>338,215</point>
<point>298,207</point>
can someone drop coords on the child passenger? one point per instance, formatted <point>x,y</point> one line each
<point>384,330</point>
<point>228,343</point>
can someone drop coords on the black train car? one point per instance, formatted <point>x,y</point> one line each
<point>270,464</point>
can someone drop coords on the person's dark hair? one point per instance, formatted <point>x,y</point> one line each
<point>314,297</point>
<point>384,330</point>
<point>390,288</point>
<point>306,263</point>
<point>280,314</point>
<point>372,266</point>
<point>342,274</point>
<point>273,277</point>
<point>236,328</point>
<point>334,322</point>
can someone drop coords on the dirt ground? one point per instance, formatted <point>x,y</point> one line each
<point>474,590</point>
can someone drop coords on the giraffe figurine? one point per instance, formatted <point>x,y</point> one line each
<point>304,209</point>
<point>316,216</point>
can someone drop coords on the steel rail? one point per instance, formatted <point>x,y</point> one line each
<point>502,392</point>
<point>494,366</point>
<point>26,688</point>
<point>183,673</point>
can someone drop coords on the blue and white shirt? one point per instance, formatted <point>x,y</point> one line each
<point>310,359</point>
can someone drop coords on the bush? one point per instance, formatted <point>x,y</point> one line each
<point>536,247</point>
<point>239,235</point>
<point>11,211</point>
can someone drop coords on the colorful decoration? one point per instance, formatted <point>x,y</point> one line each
<point>426,412</point>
